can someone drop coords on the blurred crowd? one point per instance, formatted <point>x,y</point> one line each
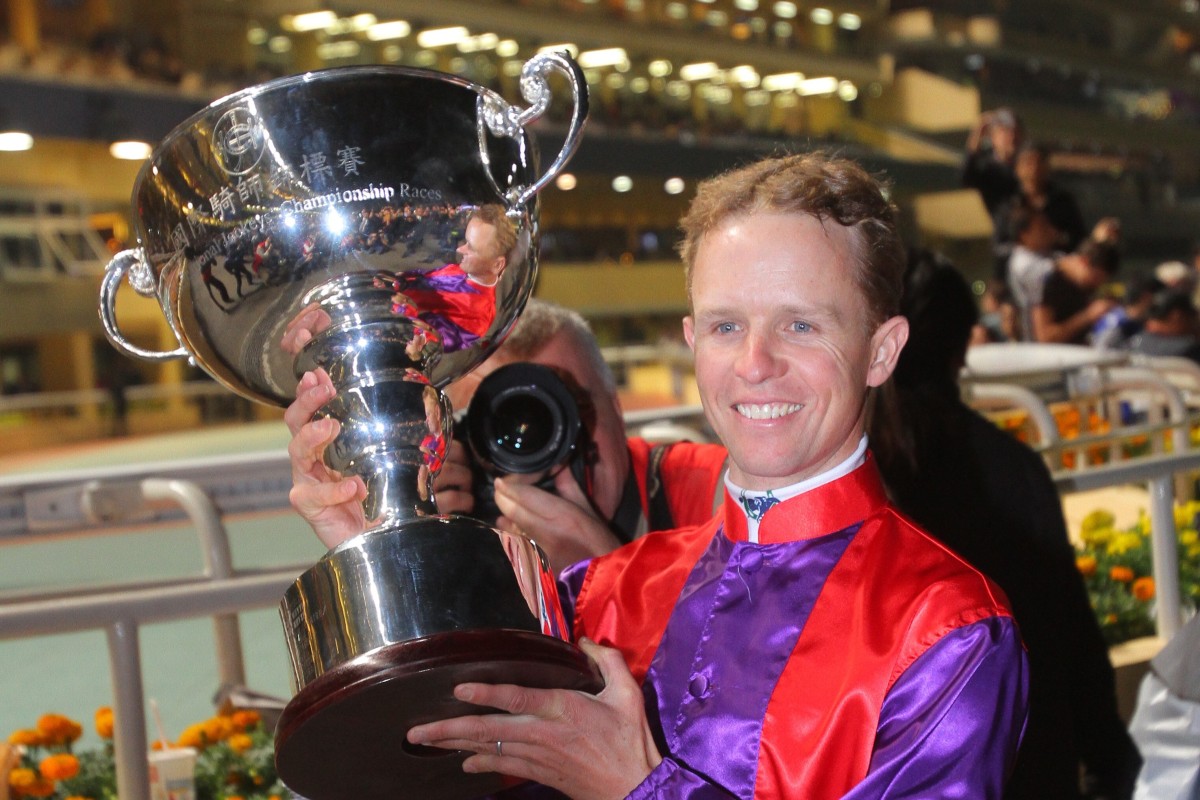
<point>1056,277</point>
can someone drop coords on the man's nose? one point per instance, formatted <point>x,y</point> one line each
<point>758,360</point>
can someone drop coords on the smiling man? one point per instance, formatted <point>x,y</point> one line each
<point>809,642</point>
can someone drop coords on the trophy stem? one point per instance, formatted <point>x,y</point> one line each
<point>395,425</point>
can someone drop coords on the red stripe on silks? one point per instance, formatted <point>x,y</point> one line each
<point>635,590</point>
<point>871,621</point>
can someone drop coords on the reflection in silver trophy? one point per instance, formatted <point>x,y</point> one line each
<point>380,223</point>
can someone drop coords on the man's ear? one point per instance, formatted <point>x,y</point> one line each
<point>689,332</point>
<point>886,344</point>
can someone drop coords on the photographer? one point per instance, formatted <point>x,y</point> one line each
<point>622,495</point>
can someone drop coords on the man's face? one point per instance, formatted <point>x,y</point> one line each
<point>568,356</point>
<point>478,255</point>
<point>783,356</point>
<point>1041,235</point>
<point>1031,169</point>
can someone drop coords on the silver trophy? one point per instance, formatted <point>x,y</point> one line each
<point>380,223</point>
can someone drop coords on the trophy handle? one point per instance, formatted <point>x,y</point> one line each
<point>501,119</point>
<point>142,280</point>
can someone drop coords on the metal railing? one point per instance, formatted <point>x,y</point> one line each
<point>205,491</point>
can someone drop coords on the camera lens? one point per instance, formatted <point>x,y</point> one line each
<point>522,419</point>
<point>521,424</point>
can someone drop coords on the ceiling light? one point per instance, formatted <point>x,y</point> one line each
<point>782,81</point>
<point>15,141</point>
<point>659,68</point>
<point>257,35</point>
<point>622,183</point>
<point>847,91</point>
<point>279,44</point>
<point>130,150</point>
<point>507,48</point>
<point>784,10</point>
<point>608,57</point>
<point>746,5</point>
<point>698,72</point>
<point>477,44</point>
<point>332,51</point>
<point>826,85</point>
<point>392,29</point>
<point>745,76</point>
<point>674,186</point>
<point>850,22</point>
<point>566,181</point>
<point>440,37</point>
<point>821,16</point>
<point>312,21</point>
<point>676,10</point>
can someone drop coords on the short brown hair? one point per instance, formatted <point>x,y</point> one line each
<point>824,186</point>
<point>506,233</point>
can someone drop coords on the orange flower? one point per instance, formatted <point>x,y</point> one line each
<point>27,737</point>
<point>1122,574</point>
<point>104,722</point>
<point>1086,565</point>
<point>244,719</point>
<point>59,767</point>
<point>59,729</point>
<point>27,783</point>
<point>1143,588</point>
<point>193,736</point>
<point>240,743</point>
<point>217,728</point>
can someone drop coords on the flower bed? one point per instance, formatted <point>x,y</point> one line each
<point>235,761</point>
<point>1117,567</point>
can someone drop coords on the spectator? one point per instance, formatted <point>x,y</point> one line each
<point>1070,303</point>
<point>1170,328</point>
<point>1030,262</point>
<point>1115,328</point>
<point>989,168</point>
<point>943,463</point>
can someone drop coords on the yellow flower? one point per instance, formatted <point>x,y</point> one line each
<point>1143,588</point>
<point>1124,542</point>
<point>1121,574</point>
<point>59,729</point>
<point>104,722</point>
<point>1189,538</point>
<point>1098,519</point>
<point>1086,565</point>
<point>59,767</point>
<point>240,743</point>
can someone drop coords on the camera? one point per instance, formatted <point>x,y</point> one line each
<point>523,419</point>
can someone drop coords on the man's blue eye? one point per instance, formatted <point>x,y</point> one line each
<point>725,327</point>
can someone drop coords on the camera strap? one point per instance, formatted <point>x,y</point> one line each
<point>658,509</point>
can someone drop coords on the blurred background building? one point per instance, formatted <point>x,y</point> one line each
<point>680,88</point>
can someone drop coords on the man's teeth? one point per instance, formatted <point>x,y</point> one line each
<point>767,410</point>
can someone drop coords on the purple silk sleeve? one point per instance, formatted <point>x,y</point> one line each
<point>949,728</point>
<point>951,724</point>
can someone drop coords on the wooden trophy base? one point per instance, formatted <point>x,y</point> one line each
<point>343,736</point>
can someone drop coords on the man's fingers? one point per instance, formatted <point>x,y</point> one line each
<point>314,390</point>
<point>311,499</point>
<point>307,444</point>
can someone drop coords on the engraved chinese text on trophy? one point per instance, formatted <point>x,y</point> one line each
<point>314,221</point>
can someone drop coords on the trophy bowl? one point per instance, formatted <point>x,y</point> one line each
<point>379,223</point>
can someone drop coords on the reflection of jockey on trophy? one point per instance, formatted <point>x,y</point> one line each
<point>459,300</point>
